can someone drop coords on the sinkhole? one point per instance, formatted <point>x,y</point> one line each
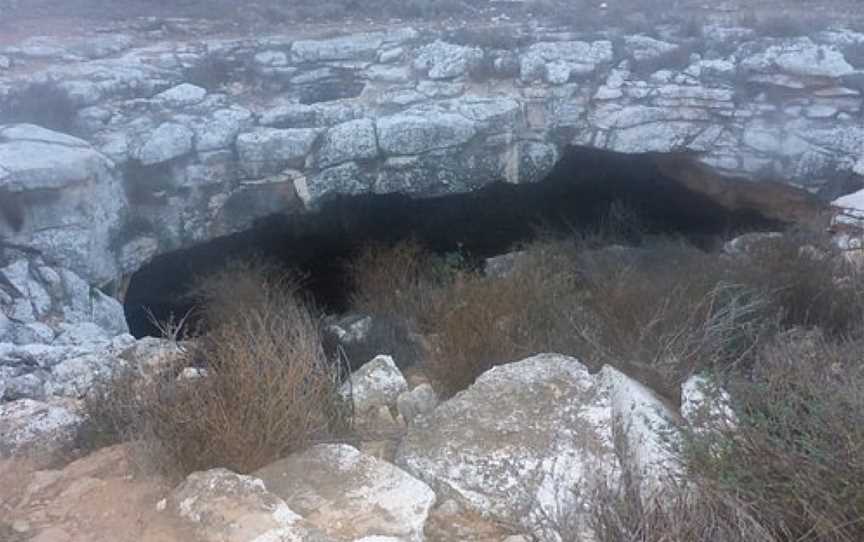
<point>490,221</point>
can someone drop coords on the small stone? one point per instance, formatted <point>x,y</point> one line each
<point>420,400</point>
<point>192,373</point>
<point>20,526</point>
<point>390,55</point>
<point>377,383</point>
<point>271,58</point>
<point>181,95</point>
<point>5,62</point>
<point>449,507</point>
<point>52,534</point>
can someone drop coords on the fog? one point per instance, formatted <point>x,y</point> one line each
<point>574,14</point>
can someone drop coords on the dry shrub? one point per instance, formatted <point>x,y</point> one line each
<point>266,389</point>
<point>680,511</point>
<point>664,312</point>
<point>240,285</point>
<point>688,514</point>
<point>808,282</point>
<point>796,457</point>
<point>399,280</point>
<point>659,312</point>
<point>488,321</point>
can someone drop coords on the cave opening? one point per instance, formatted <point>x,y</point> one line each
<point>487,222</point>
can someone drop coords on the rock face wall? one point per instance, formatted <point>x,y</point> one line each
<point>114,149</point>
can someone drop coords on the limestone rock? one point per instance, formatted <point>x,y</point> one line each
<point>503,265</point>
<point>182,95</point>
<point>557,61</point>
<point>529,439</point>
<point>354,47</point>
<point>442,60</point>
<point>32,132</point>
<point>414,133</point>
<point>397,112</point>
<point>349,495</point>
<point>644,48</point>
<point>523,436</point>
<point>224,506</point>
<point>347,179</point>
<point>49,162</point>
<point>150,355</point>
<point>73,377</point>
<point>38,428</point>
<point>267,151</point>
<point>352,140</point>
<point>108,314</point>
<point>706,405</point>
<point>23,386</point>
<point>650,433</point>
<point>377,383</point>
<point>420,400</point>
<point>800,57</point>
<point>170,140</point>
<point>219,129</point>
<point>81,334</point>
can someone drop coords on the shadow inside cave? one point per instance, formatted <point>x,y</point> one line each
<point>574,197</point>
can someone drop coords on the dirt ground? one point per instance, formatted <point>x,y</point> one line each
<point>99,498</point>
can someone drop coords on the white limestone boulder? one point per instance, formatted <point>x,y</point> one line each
<point>800,57</point>
<point>706,405</point>
<point>414,133</point>
<point>168,141</point>
<point>530,440</point>
<point>377,383</point>
<point>37,428</point>
<point>525,437</point>
<point>223,506</point>
<point>442,60</point>
<point>267,151</point>
<point>349,495</point>
<point>649,427</point>
<point>352,140</point>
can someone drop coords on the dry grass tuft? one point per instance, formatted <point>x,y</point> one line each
<point>796,457</point>
<point>808,282</point>
<point>664,312</point>
<point>688,514</point>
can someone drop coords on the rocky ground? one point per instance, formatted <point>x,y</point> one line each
<point>538,430</point>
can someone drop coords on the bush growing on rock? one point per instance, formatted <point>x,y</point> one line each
<point>264,387</point>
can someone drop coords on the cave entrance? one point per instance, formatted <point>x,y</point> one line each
<point>575,196</point>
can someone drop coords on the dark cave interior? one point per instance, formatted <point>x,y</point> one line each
<point>574,197</point>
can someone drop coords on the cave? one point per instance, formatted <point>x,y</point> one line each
<point>574,197</point>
